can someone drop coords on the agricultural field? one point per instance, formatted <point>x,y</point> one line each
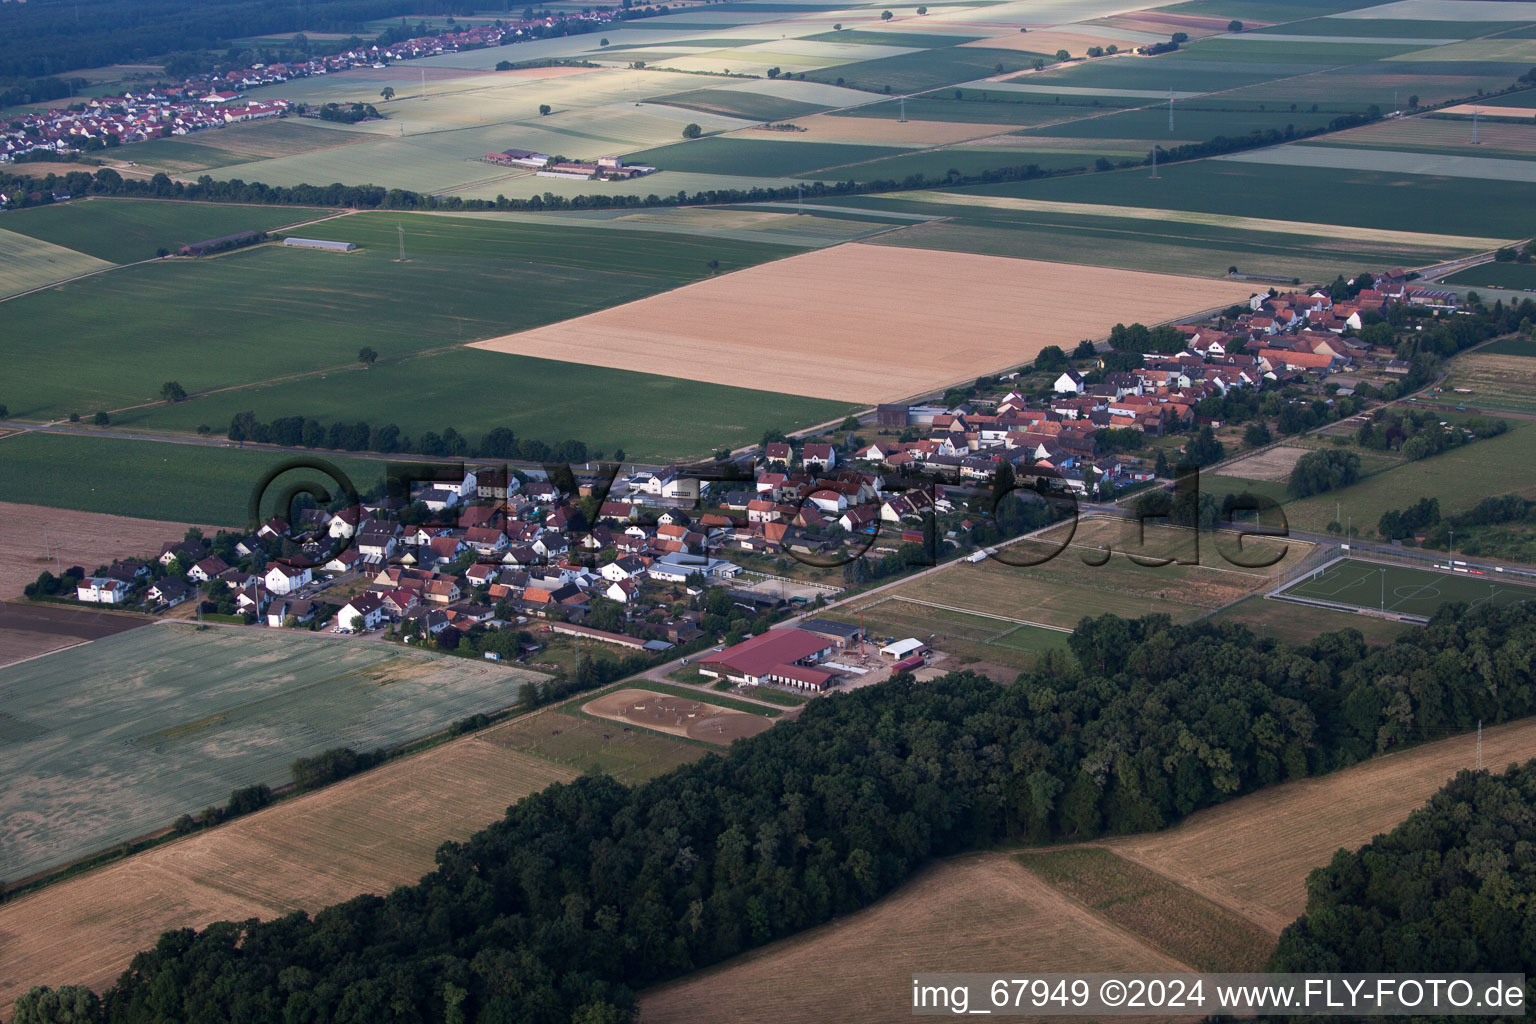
<point>188,714</point>
<point>149,479</point>
<point>925,69</point>
<point>1003,109</point>
<point>126,230</point>
<point>468,389</point>
<point>1167,241</point>
<point>1500,376</point>
<point>30,630</point>
<point>977,913</point>
<point>265,312</point>
<point>741,156</point>
<point>1439,135</point>
<point>738,103</point>
<point>368,833</point>
<point>935,164</point>
<point>34,538</point>
<point>877,312</point>
<point>1252,855</point>
<point>239,143</point>
<point>1520,276</point>
<point>1236,872</point>
<point>1360,198</point>
<point>1404,590</point>
<point>1168,917</point>
<point>1393,162</point>
<point>27,263</point>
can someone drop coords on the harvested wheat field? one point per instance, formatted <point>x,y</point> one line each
<point>367,834</point>
<point>868,323</point>
<point>882,130</point>
<point>981,913</point>
<point>1253,855</point>
<point>28,630</point>
<point>677,716</point>
<point>1524,113</point>
<point>31,535</point>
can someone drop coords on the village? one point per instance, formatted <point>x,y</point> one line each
<point>208,101</point>
<point>680,559</point>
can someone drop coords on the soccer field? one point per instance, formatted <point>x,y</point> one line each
<point>1403,589</point>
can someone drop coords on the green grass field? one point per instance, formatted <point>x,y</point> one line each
<point>872,38</point>
<point>753,156</point>
<point>926,69</point>
<point>1000,108</point>
<point>238,143</point>
<point>1497,275</point>
<point>1364,198</point>
<point>740,103</point>
<point>1195,120</point>
<point>148,479</point>
<point>651,417</point>
<point>937,163</point>
<point>1362,583</point>
<point>1458,479</point>
<point>125,230</point>
<point>1300,624</point>
<point>268,312</point>
<point>1509,347</point>
<point>112,739</point>
<point>1202,250</point>
<point>27,263</point>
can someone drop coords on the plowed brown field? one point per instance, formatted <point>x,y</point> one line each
<point>868,323</point>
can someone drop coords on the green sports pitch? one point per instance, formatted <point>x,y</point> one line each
<point>1404,590</point>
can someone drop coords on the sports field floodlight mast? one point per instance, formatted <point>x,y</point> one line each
<point>401,229</point>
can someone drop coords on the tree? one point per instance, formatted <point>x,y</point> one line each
<point>4,412</point>
<point>1257,434</point>
<point>1062,56</point>
<point>1051,357</point>
<point>1413,101</point>
<point>172,391</point>
<point>544,109</point>
<point>1180,37</point>
<point>603,41</point>
<point>1234,25</point>
<point>367,356</point>
<point>70,1004</point>
<point>886,15</point>
<point>838,27</point>
<point>1204,449</point>
<point>388,93</point>
<point>922,10</point>
<point>101,419</point>
<point>356,623</point>
<point>692,131</point>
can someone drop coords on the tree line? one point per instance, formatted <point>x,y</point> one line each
<point>588,891</point>
<point>306,432</point>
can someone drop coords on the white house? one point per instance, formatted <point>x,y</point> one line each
<point>284,579</point>
<point>625,568</point>
<point>101,590</point>
<point>1070,382</point>
<point>622,591</point>
<point>368,607</point>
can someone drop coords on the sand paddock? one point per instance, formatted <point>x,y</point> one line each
<point>677,716</point>
<point>868,323</point>
<point>1271,464</point>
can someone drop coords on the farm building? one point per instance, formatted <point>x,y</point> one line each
<point>777,656</point>
<point>840,633</point>
<point>606,167</point>
<point>517,158</point>
<point>902,649</point>
<point>211,245</point>
<point>320,243</point>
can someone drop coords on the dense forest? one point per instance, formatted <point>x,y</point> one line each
<point>587,892</point>
<point>1448,890</point>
